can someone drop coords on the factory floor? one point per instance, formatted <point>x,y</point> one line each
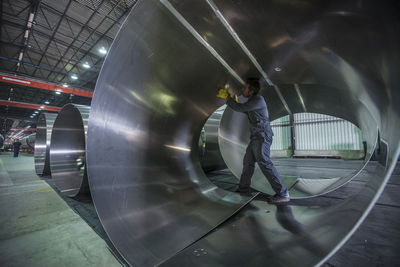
<point>38,227</point>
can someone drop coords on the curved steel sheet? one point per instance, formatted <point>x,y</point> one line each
<point>210,155</point>
<point>68,150</point>
<point>44,127</point>
<point>147,184</point>
<point>158,85</point>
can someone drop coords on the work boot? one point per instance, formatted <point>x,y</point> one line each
<point>275,199</point>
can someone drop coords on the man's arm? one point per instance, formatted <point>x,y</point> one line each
<point>254,103</point>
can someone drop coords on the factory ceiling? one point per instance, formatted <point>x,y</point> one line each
<point>60,42</point>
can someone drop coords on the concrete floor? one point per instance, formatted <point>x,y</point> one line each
<point>38,228</point>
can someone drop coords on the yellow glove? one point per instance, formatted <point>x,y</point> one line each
<point>223,93</point>
<point>236,99</point>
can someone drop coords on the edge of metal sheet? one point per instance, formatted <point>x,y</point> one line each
<point>147,185</point>
<point>44,127</point>
<point>68,150</point>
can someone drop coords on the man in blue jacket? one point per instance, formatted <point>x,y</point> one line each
<point>258,150</point>
<point>17,145</point>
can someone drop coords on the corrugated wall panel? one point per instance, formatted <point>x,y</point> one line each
<point>316,132</point>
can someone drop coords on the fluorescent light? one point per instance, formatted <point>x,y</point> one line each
<point>46,102</point>
<point>277,69</point>
<point>74,77</point>
<point>41,106</point>
<point>36,111</point>
<point>65,85</point>
<point>102,50</point>
<point>58,92</point>
<point>86,65</point>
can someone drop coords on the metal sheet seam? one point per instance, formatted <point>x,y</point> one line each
<point>215,227</point>
<point>190,28</point>
<point>236,37</point>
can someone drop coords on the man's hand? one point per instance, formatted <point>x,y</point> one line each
<point>231,92</point>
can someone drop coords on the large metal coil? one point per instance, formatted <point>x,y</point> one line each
<point>44,127</point>
<point>68,150</point>
<point>157,88</point>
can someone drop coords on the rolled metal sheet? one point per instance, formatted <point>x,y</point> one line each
<point>158,86</point>
<point>210,155</point>
<point>44,127</point>
<point>68,150</point>
<point>145,177</point>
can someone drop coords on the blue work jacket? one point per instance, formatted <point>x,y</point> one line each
<point>257,113</point>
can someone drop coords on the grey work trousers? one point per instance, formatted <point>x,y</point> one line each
<point>258,151</point>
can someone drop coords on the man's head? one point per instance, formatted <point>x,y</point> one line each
<point>251,87</point>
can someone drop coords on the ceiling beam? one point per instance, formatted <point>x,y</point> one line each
<point>42,85</point>
<point>28,105</point>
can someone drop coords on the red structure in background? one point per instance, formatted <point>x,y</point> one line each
<point>43,85</point>
<point>28,105</point>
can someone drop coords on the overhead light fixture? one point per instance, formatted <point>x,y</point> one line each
<point>102,50</point>
<point>36,111</point>
<point>46,102</point>
<point>41,107</point>
<point>86,65</point>
<point>65,85</point>
<point>58,93</point>
<point>277,69</point>
<point>74,77</point>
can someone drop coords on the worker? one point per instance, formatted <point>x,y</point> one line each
<point>258,150</point>
<point>17,145</point>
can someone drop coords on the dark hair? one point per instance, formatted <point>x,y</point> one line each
<point>253,85</point>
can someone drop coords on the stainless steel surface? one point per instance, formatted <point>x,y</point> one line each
<point>300,233</point>
<point>158,86</point>
<point>28,141</point>
<point>145,177</point>
<point>68,150</point>
<point>210,156</point>
<point>44,127</point>
<point>31,140</point>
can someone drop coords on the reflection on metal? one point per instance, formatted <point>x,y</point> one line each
<point>152,197</point>
<point>28,142</point>
<point>155,201</point>
<point>44,127</point>
<point>68,150</point>
<point>248,53</point>
<point>210,156</point>
<point>297,88</point>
